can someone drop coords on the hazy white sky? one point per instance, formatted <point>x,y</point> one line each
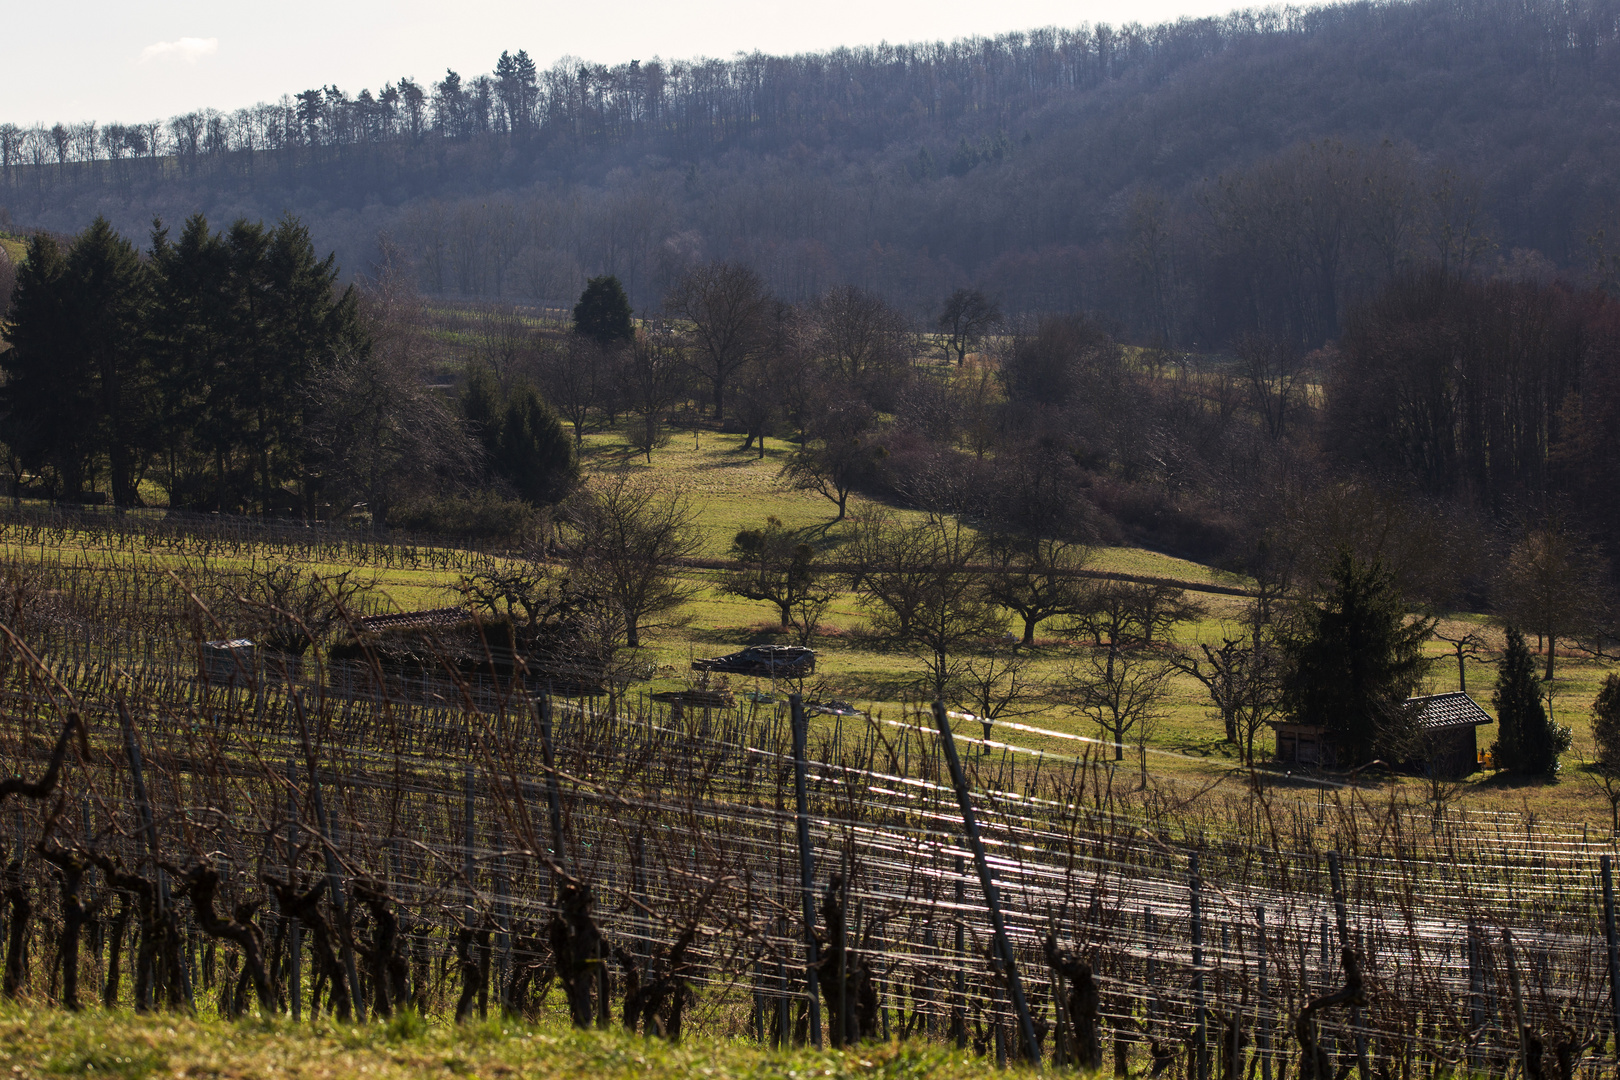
<point>131,60</point>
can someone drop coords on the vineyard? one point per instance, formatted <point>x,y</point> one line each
<point>324,843</point>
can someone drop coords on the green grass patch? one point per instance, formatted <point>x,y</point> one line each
<point>49,1043</point>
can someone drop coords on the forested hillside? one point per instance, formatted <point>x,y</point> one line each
<point>1262,171</point>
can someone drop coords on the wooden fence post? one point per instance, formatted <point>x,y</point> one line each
<point>807,869</point>
<point>1614,949</point>
<point>992,900</point>
<point>1200,1013</point>
<point>1262,1021</point>
<point>1341,912</point>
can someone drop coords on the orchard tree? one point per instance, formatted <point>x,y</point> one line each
<point>776,566</point>
<point>1037,579</point>
<point>623,539</point>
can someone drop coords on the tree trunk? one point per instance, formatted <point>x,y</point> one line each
<point>1029,631</point>
<point>1552,649</point>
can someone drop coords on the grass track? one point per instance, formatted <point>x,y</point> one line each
<point>52,1043</point>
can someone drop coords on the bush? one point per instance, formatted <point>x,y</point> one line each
<point>483,515</point>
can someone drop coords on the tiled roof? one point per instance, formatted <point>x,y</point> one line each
<point>415,620</point>
<point>1456,709</point>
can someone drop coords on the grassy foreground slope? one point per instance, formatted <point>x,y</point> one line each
<point>51,1043</point>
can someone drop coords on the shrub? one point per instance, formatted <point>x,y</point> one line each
<point>482,515</point>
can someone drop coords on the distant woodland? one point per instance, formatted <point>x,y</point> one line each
<point>1252,290</point>
<point>1190,182</point>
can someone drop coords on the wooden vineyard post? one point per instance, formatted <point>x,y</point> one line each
<point>961,959</point>
<point>1614,949</point>
<point>1476,1000</point>
<point>992,899</point>
<point>334,891</point>
<point>1341,913</point>
<point>132,748</point>
<point>1200,1015</point>
<point>553,799</point>
<point>1152,969</point>
<point>1262,1035</point>
<point>1522,1029</point>
<point>333,875</point>
<point>807,869</point>
<point>295,929</point>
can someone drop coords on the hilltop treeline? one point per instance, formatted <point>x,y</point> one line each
<point>1193,180</point>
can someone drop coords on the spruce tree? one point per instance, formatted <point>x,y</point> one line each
<point>77,377</point>
<point>525,446</point>
<point>1355,662</point>
<point>603,312</point>
<point>1527,741</point>
<point>1606,725</point>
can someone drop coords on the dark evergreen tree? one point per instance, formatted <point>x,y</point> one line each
<point>1606,725</point>
<point>245,323</point>
<point>1355,661</point>
<point>524,444</point>
<point>1527,741</point>
<point>46,403</point>
<point>78,384</point>
<point>603,312</point>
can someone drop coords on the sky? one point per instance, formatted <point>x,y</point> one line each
<point>129,60</point>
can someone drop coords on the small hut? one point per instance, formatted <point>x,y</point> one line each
<point>1445,725</point>
<point>229,663</point>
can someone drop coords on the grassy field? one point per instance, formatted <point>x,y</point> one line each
<point>732,489</point>
<point>52,1043</point>
<point>15,249</point>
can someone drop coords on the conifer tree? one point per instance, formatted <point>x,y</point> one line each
<point>1355,662</point>
<point>1527,741</point>
<point>603,312</point>
<point>524,444</point>
<point>1606,724</point>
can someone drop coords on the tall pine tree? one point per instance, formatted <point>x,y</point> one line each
<point>1527,741</point>
<point>1355,661</point>
<point>79,388</point>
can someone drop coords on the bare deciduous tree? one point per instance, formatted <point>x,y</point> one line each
<point>1121,691</point>
<point>1038,579</point>
<point>1242,677</point>
<point>654,381</point>
<point>728,309</point>
<point>379,432</point>
<point>968,315</point>
<point>624,538</point>
<point>577,378</point>
<point>840,453</point>
<point>776,566</point>
<point>918,587</point>
<point>1552,583</point>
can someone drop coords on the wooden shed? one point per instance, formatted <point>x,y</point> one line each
<point>1446,723</point>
